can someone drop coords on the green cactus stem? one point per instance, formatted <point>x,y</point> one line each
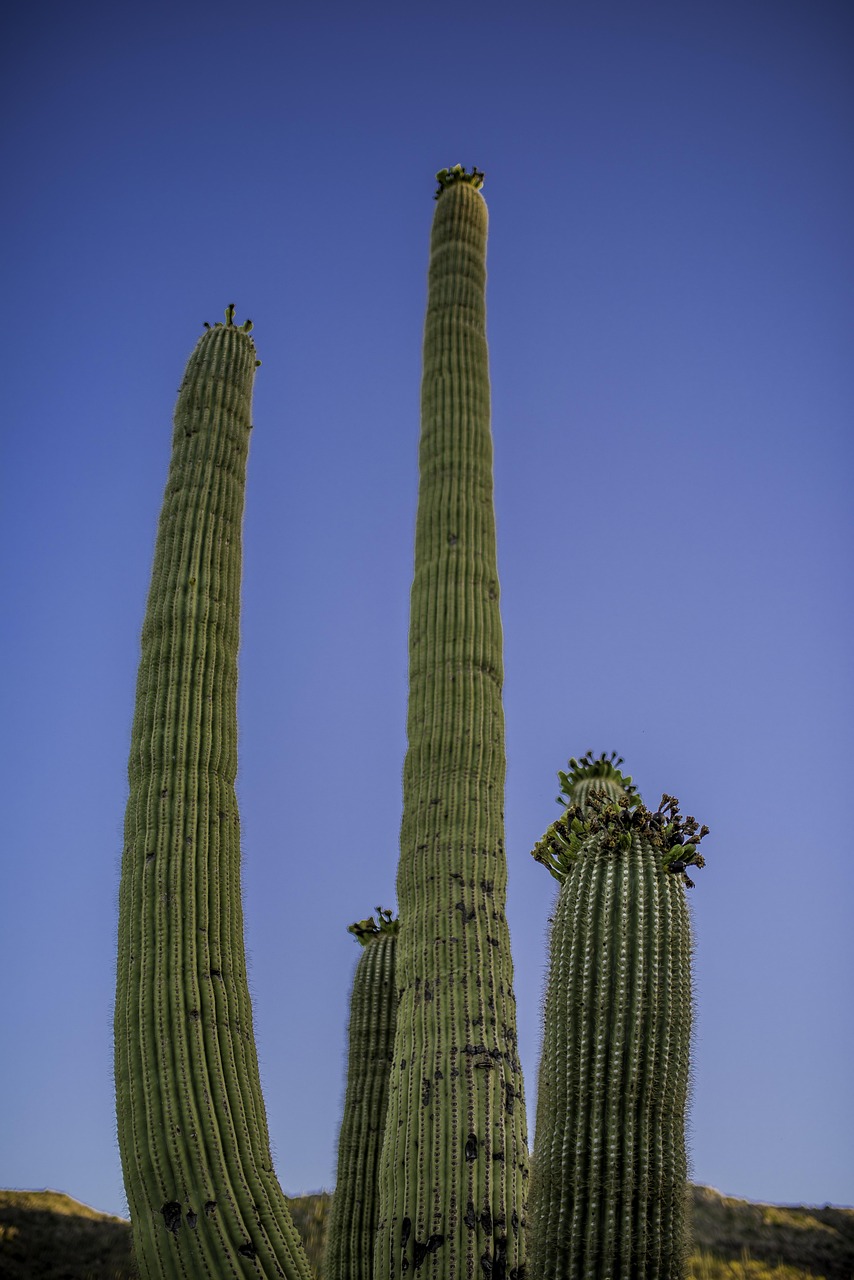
<point>609,1184</point>
<point>192,1128</point>
<point>373,1006</point>
<point>455,1160</point>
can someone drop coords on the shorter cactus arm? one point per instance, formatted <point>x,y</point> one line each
<point>373,1009</point>
<point>609,1169</point>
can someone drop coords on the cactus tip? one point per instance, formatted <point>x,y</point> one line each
<point>448,177</point>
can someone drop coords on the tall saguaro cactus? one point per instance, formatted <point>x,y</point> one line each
<point>373,1008</point>
<point>454,1163</point>
<point>203,1196</point>
<point>609,1178</point>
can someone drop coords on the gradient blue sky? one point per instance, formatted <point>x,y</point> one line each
<point>670,320</point>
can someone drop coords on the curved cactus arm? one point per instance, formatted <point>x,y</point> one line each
<point>373,1007</point>
<point>192,1128</point>
<point>455,1161</point>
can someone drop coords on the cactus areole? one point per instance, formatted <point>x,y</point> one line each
<point>609,1185</point>
<point>203,1197</point>
<point>454,1163</point>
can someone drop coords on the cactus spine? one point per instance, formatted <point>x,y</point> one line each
<point>192,1128</point>
<point>609,1172</point>
<point>454,1163</point>
<point>373,1006</point>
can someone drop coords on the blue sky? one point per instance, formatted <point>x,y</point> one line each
<point>670,318</point>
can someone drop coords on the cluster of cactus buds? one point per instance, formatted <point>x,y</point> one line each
<point>229,322</point>
<point>365,930</point>
<point>447,178</point>
<point>594,773</point>
<point>675,838</point>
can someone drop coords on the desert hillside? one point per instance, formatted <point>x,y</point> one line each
<point>45,1235</point>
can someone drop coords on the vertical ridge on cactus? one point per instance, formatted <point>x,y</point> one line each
<point>609,1181</point>
<point>454,1162</point>
<point>373,1007</point>
<point>192,1127</point>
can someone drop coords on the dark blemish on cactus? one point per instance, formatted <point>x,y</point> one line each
<point>471,1147</point>
<point>518,1273</point>
<point>172,1216</point>
<point>486,1265</point>
<point>498,1155</point>
<point>248,1250</point>
<point>514,1221</point>
<point>439,1075</point>
<point>486,1220</point>
<point>192,1219</point>
<point>149,857</point>
<point>419,1253</point>
<point>500,1269</point>
<point>487,885</point>
<point>428,990</point>
<point>404,1264</point>
<point>435,1243</point>
<point>195,1015</point>
<point>403,1064</point>
<point>405,1229</point>
<point>163,794</point>
<point>216,973</point>
<point>509,1099</point>
<point>452,539</point>
<point>426,1090</point>
<point>470,1220</point>
<point>210,1208</point>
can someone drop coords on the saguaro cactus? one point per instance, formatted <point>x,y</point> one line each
<point>203,1196</point>
<point>609,1172</point>
<point>373,1006</point>
<point>454,1162</point>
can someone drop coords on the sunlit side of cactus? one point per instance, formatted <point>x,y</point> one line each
<point>203,1197</point>
<point>373,1005</point>
<point>454,1165</point>
<point>609,1184</point>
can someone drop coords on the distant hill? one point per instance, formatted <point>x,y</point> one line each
<point>45,1235</point>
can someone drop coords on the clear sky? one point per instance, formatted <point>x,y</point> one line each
<point>670,321</point>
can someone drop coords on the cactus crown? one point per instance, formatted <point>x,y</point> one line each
<point>615,820</point>
<point>595,773</point>
<point>447,177</point>
<point>229,322</point>
<point>366,930</point>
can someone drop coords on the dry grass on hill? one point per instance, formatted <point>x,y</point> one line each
<point>45,1235</point>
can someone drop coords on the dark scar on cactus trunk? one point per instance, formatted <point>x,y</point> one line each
<point>172,1216</point>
